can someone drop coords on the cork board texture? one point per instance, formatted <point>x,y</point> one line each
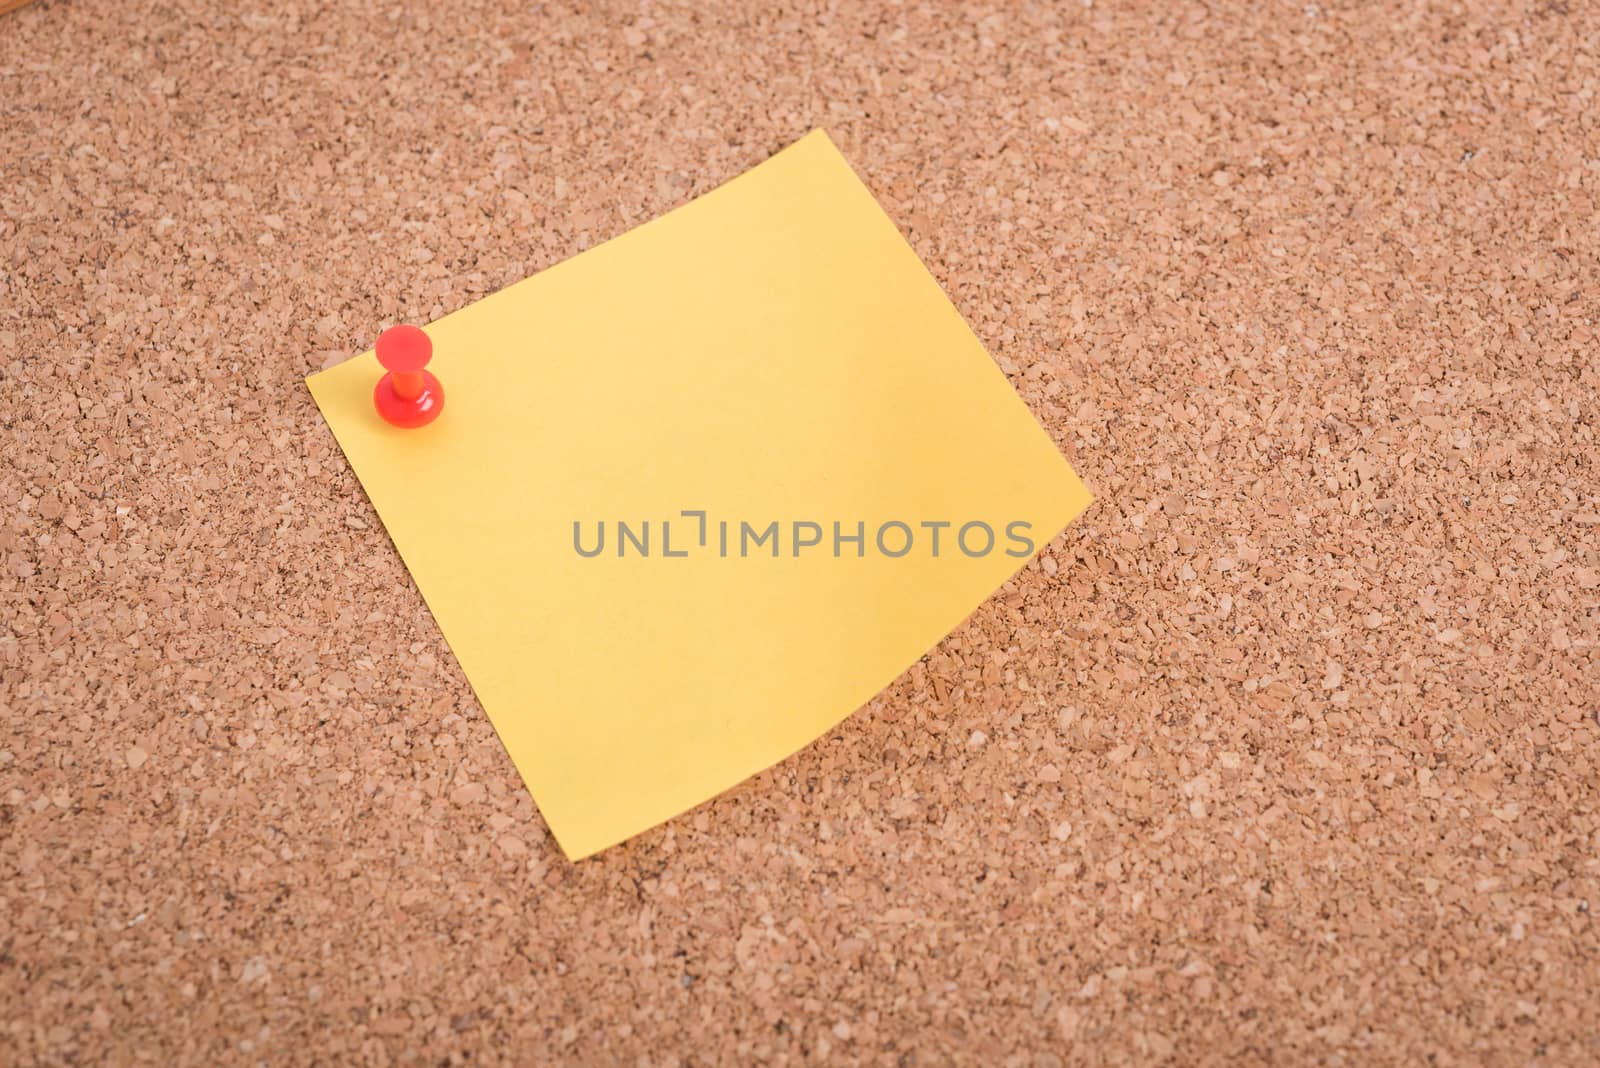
<point>1286,751</point>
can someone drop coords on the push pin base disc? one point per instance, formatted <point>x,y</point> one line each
<point>416,411</point>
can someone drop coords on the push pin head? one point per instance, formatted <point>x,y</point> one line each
<point>408,396</point>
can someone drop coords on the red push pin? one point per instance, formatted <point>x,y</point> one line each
<point>407,396</point>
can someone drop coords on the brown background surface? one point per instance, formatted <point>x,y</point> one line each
<point>1287,751</point>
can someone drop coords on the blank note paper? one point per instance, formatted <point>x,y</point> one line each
<point>700,492</point>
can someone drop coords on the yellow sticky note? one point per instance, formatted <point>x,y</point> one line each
<point>805,470</point>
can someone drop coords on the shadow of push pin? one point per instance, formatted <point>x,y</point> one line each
<point>408,396</point>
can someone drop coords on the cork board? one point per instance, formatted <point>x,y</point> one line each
<point>1286,751</point>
